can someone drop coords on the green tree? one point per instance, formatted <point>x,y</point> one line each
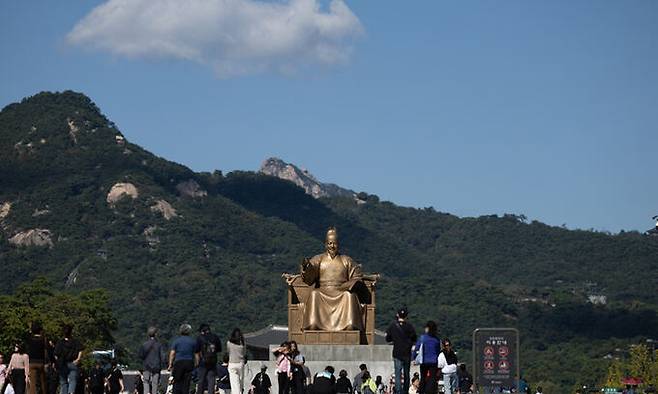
<point>615,374</point>
<point>640,364</point>
<point>88,313</point>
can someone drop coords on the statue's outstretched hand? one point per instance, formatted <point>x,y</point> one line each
<point>305,263</point>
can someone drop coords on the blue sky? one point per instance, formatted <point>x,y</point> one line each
<point>548,109</point>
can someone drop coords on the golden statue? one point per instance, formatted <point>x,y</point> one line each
<point>330,305</point>
<point>331,301</point>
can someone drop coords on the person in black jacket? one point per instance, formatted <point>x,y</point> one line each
<point>96,379</point>
<point>261,383</point>
<point>324,382</point>
<point>403,336</point>
<point>207,347</point>
<point>152,356</point>
<point>343,384</point>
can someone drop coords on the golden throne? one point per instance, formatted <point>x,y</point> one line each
<point>298,292</point>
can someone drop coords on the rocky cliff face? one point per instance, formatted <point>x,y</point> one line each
<point>302,178</point>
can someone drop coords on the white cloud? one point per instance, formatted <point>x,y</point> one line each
<point>233,36</point>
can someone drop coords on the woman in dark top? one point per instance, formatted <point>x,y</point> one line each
<point>297,368</point>
<point>114,379</point>
<point>37,350</point>
<point>343,384</point>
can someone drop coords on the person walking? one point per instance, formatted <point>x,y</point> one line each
<point>426,353</point>
<point>447,361</point>
<point>181,360</point>
<point>261,383</point>
<point>18,369</point>
<point>37,351</point>
<point>283,370</point>
<point>207,347</point>
<point>343,384</point>
<point>236,360</point>
<point>358,379</point>
<point>403,336</point>
<point>68,352</point>
<point>152,356</point>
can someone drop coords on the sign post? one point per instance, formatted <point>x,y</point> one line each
<point>496,357</point>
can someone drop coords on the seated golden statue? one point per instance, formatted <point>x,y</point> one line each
<point>331,301</point>
<point>331,306</point>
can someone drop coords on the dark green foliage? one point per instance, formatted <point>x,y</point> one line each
<point>219,261</point>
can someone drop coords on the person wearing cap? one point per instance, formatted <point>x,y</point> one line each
<point>181,359</point>
<point>153,361</point>
<point>261,383</point>
<point>403,336</point>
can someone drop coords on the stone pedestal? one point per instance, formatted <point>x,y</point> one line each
<point>378,358</point>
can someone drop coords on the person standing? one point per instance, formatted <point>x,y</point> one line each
<point>139,382</point>
<point>19,367</point>
<point>368,386</point>
<point>343,384</point>
<point>448,363</point>
<point>96,379</point>
<point>236,360</point>
<point>223,379</point>
<point>261,383</point>
<point>181,359</point>
<point>3,373</point>
<point>283,374</point>
<point>68,353</point>
<point>426,353</point>
<point>114,379</point>
<point>403,336</point>
<point>37,351</point>
<point>297,368</point>
<point>151,354</point>
<point>207,347</point>
<point>324,382</point>
<point>358,379</point>
<point>466,381</point>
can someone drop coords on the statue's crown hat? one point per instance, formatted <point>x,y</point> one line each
<point>331,232</point>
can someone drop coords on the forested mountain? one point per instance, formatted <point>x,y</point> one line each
<point>86,208</point>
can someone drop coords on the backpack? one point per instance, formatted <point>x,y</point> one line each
<point>208,351</point>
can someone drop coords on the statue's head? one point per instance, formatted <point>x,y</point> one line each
<point>331,242</point>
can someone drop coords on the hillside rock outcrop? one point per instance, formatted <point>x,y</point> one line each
<point>120,190</point>
<point>191,188</point>
<point>167,211</point>
<point>32,237</point>
<point>302,178</point>
<point>5,208</point>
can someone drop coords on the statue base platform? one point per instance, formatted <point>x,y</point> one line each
<point>313,337</point>
<point>378,359</point>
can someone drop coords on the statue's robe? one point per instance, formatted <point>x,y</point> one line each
<point>330,306</point>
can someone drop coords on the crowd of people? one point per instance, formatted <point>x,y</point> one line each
<point>41,365</point>
<point>46,367</point>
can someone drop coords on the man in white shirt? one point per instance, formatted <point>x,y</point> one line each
<point>447,362</point>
